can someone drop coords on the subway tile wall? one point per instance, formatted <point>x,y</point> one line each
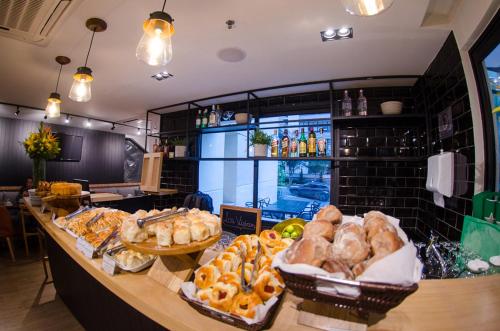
<point>181,175</point>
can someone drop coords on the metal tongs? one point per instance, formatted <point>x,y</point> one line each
<point>107,240</point>
<point>77,212</point>
<point>248,287</point>
<point>94,219</point>
<point>142,222</point>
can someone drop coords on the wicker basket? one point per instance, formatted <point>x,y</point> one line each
<point>374,297</point>
<point>233,319</point>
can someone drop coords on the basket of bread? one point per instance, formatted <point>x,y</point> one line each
<point>366,264</point>
<point>239,286</point>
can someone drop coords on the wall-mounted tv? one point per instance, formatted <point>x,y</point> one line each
<point>71,147</point>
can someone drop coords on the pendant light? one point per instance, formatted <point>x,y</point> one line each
<point>366,7</point>
<point>53,108</point>
<point>80,90</point>
<point>155,46</point>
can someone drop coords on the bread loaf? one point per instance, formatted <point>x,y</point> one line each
<point>321,228</point>
<point>330,213</point>
<point>311,251</point>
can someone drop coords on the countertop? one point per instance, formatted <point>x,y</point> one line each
<point>452,304</point>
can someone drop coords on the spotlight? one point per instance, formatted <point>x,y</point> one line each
<point>330,33</point>
<point>88,124</point>
<point>66,120</point>
<point>343,32</point>
<point>17,112</point>
<point>138,131</point>
<point>113,127</point>
<point>337,34</point>
<point>162,75</point>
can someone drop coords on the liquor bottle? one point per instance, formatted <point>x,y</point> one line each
<point>362,105</point>
<point>204,119</point>
<point>294,145</point>
<point>198,119</point>
<point>218,113</point>
<point>311,143</point>
<point>346,104</point>
<point>285,144</point>
<point>321,143</point>
<point>212,118</point>
<point>302,144</point>
<point>275,144</point>
<point>155,146</point>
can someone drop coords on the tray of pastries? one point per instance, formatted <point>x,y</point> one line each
<point>91,220</point>
<point>130,260</point>
<point>175,233</point>
<point>339,260</point>
<point>217,289</point>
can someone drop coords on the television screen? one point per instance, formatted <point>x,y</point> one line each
<point>71,147</point>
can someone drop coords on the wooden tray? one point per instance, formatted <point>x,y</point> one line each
<point>150,246</point>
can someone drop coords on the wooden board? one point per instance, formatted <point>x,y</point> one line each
<point>150,246</point>
<point>103,197</point>
<point>151,172</point>
<point>240,220</point>
<point>172,271</point>
<point>49,198</point>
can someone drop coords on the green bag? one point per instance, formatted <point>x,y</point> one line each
<point>481,237</point>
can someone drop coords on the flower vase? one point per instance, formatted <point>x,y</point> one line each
<point>39,171</point>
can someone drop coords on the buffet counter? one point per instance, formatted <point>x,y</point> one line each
<point>455,304</point>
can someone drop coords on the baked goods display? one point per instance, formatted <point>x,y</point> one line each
<point>194,226</point>
<point>219,285</point>
<point>346,249</point>
<point>65,189</point>
<point>79,225</point>
<point>131,260</point>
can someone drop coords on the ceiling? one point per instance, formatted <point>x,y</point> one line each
<point>280,38</point>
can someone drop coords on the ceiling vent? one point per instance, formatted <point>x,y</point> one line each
<point>31,20</point>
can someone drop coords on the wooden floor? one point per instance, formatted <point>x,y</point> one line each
<point>25,303</point>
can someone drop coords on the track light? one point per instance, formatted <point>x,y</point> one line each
<point>113,127</point>
<point>138,131</point>
<point>17,112</point>
<point>88,124</point>
<point>66,120</point>
<point>45,117</point>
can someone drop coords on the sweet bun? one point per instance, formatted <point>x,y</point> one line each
<point>270,238</point>
<point>222,296</point>
<point>244,304</point>
<point>338,267</point>
<point>376,222</point>
<point>164,233</point>
<point>267,286</point>
<point>321,228</point>
<point>311,251</point>
<point>182,234</point>
<point>349,245</point>
<point>329,213</point>
<point>65,189</point>
<point>206,276</point>
<point>199,231</point>
<point>385,243</point>
<point>204,294</point>
<point>231,278</point>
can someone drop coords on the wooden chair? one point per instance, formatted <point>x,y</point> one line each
<point>23,211</point>
<point>7,230</point>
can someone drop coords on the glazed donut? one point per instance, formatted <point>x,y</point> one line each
<point>244,304</point>
<point>206,276</point>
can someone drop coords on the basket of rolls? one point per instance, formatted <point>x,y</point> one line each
<point>239,286</point>
<point>365,264</point>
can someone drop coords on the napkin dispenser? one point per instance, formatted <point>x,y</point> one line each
<point>440,176</point>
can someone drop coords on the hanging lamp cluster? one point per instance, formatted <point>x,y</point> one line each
<point>155,46</point>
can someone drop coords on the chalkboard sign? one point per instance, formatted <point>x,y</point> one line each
<point>239,220</point>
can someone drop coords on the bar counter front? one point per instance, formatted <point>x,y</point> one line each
<point>137,302</point>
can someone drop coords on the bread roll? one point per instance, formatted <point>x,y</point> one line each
<point>321,228</point>
<point>267,286</point>
<point>338,267</point>
<point>206,276</point>
<point>329,213</point>
<point>385,243</point>
<point>214,226</point>
<point>199,231</point>
<point>244,304</point>
<point>270,238</point>
<point>182,234</point>
<point>131,232</point>
<point>66,189</point>
<point>222,296</point>
<point>311,251</point>
<point>164,232</point>
<point>375,222</point>
<point>349,245</point>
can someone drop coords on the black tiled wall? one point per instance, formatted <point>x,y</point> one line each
<point>181,175</point>
<point>443,85</point>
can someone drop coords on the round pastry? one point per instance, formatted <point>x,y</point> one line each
<point>338,267</point>
<point>231,278</point>
<point>244,304</point>
<point>223,265</point>
<point>321,228</point>
<point>232,257</point>
<point>222,296</point>
<point>329,213</point>
<point>270,238</point>
<point>266,285</point>
<point>311,251</point>
<point>204,294</point>
<point>278,248</point>
<point>66,189</point>
<point>244,240</point>
<point>385,243</point>
<point>375,222</point>
<point>265,261</point>
<point>206,276</point>
<point>349,245</point>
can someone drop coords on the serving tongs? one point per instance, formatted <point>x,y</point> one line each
<point>106,241</point>
<point>94,219</point>
<point>243,254</point>
<point>77,212</point>
<point>115,250</point>
<point>256,262</point>
<point>142,222</point>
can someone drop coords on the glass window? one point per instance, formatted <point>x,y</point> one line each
<point>295,188</point>
<point>224,144</point>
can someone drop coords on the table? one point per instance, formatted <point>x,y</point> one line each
<point>454,304</point>
<point>285,207</point>
<point>104,197</point>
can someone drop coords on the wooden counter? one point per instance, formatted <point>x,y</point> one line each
<point>456,304</point>
<point>105,197</point>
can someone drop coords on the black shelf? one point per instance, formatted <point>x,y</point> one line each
<point>189,158</point>
<point>379,119</point>
<point>180,132</point>
<point>228,128</point>
<point>266,158</point>
<point>381,158</point>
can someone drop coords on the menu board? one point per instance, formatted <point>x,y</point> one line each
<point>240,220</point>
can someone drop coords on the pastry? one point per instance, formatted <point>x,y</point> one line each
<point>199,231</point>
<point>266,285</point>
<point>231,278</point>
<point>311,251</point>
<point>206,276</point>
<point>231,257</point>
<point>223,265</point>
<point>222,296</point>
<point>385,243</point>
<point>338,267</point>
<point>248,272</point>
<point>376,222</point>
<point>66,189</point>
<point>322,228</point>
<point>349,245</point>
<point>244,304</point>
<point>329,213</point>
<point>270,238</point>
<point>164,233</point>
<point>131,232</point>
<point>214,226</point>
<point>204,294</point>
<point>182,234</point>
<point>244,240</point>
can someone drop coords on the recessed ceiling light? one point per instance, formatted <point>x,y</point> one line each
<point>336,34</point>
<point>330,33</point>
<point>343,32</point>
<point>162,75</point>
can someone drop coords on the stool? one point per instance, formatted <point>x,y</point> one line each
<point>6,230</point>
<point>44,258</point>
<point>25,212</point>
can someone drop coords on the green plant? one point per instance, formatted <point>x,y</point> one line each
<point>259,137</point>
<point>178,141</point>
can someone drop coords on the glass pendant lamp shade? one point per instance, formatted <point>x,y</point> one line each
<point>53,108</point>
<point>80,89</point>
<point>366,7</point>
<point>155,46</point>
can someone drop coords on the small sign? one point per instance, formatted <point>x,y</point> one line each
<point>109,265</point>
<point>240,220</point>
<point>85,248</point>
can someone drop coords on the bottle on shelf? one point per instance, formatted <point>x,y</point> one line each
<point>204,119</point>
<point>198,119</point>
<point>294,145</point>
<point>311,143</point>
<point>218,113</point>
<point>302,144</point>
<point>275,144</point>
<point>321,143</point>
<point>212,118</point>
<point>155,146</point>
<point>346,104</point>
<point>362,104</point>
<point>285,144</point>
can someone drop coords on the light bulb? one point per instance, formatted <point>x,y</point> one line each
<point>366,7</point>
<point>88,124</point>
<point>155,46</point>
<point>329,33</point>
<point>53,108</point>
<point>81,89</point>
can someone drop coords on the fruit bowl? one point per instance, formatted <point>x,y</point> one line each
<point>290,228</point>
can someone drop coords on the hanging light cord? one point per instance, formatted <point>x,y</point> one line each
<point>90,47</point>
<point>59,76</point>
<point>163,8</point>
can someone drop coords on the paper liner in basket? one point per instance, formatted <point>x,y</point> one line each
<point>189,290</point>
<point>399,268</point>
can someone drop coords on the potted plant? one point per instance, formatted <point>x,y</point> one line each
<point>180,146</point>
<point>40,147</point>
<point>260,141</point>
